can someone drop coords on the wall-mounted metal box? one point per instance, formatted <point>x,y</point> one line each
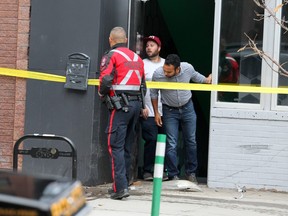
<point>77,71</point>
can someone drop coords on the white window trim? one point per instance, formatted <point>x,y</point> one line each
<point>268,47</point>
<point>268,77</point>
<point>276,56</point>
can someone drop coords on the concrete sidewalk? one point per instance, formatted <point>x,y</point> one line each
<point>212,202</point>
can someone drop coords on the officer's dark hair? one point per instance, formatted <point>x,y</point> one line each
<point>173,59</point>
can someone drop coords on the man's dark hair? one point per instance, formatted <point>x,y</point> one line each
<point>173,59</point>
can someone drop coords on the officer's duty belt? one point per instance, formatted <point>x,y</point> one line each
<point>133,97</point>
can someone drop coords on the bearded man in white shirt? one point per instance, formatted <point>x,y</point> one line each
<point>149,128</point>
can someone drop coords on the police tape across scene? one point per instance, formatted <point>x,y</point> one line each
<point>150,84</point>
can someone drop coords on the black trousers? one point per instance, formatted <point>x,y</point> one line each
<point>149,134</point>
<point>121,131</point>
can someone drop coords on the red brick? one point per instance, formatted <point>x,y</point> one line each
<point>23,40</point>
<point>23,26</point>
<point>8,7</point>
<point>24,13</point>
<point>22,64</point>
<point>8,151</point>
<point>4,145</point>
<point>7,27</point>
<point>8,113</point>
<point>8,33</point>
<point>8,40</point>
<point>20,107</point>
<point>7,93</point>
<point>22,53</point>
<point>24,3</point>
<point>7,125</point>
<point>3,85</point>
<point>9,14</point>
<point>7,159</point>
<point>7,60</point>
<point>6,139</point>
<point>8,47</point>
<point>7,79</point>
<point>4,65</point>
<point>18,132</point>
<point>15,2</point>
<point>6,106</point>
<point>20,99</point>
<point>21,84</point>
<point>19,96</point>
<point>9,21</point>
<point>19,120</point>
<point>14,42</point>
<point>5,121</point>
<point>6,132</point>
<point>7,166</point>
<point>7,53</point>
<point>7,86</point>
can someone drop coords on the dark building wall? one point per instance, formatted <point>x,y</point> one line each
<point>59,28</point>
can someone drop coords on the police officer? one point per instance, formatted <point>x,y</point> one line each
<point>122,80</point>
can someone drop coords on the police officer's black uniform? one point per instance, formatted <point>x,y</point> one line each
<point>122,74</point>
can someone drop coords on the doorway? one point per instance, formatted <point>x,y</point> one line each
<point>186,29</point>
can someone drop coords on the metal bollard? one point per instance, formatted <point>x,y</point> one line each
<point>158,174</point>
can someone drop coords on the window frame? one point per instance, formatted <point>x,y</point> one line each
<point>276,55</point>
<point>271,45</point>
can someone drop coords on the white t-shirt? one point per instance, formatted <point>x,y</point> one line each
<point>149,68</point>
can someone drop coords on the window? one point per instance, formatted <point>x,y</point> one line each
<point>237,19</point>
<point>234,21</point>
<point>282,99</point>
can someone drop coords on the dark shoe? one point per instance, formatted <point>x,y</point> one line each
<point>165,176</point>
<point>192,178</point>
<point>174,178</point>
<point>147,176</point>
<point>120,195</point>
<point>110,191</point>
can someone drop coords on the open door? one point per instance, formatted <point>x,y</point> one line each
<point>186,28</point>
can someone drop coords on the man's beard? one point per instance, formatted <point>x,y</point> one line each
<point>153,55</point>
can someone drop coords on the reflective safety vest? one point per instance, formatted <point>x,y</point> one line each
<point>126,68</point>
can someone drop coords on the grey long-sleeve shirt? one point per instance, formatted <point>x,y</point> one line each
<point>176,98</point>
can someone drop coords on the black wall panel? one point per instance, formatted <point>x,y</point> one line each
<point>59,28</point>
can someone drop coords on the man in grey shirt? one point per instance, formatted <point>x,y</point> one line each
<point>178,110</point>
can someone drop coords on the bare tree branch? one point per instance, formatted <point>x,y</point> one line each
<point>264,56</point>
<point>253,45</point>
<point>271,13</point>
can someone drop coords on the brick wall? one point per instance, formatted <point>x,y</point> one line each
<point>14,37</point>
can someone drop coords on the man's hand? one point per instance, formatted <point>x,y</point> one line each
<point>209,79</point>
<point>145,113</point>
<point>158,119</point>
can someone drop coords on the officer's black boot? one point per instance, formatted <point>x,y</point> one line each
<point>120,195</point>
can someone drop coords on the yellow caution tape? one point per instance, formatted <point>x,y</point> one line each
<point>31,75</point>
<point>93,82</point>
<point>219,87</point>
<point>157,85</point>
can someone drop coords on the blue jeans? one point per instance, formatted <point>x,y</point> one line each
<point>173,118</point>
